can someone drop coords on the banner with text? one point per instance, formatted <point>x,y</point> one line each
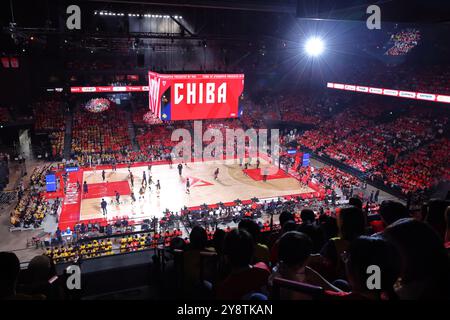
<point>391,92</point>
<point>195,96</point>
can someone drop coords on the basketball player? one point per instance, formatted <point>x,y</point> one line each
<point>216,173</point>
<point>180,169</point>
<point>158,188</point>
<point>117,197</point>
<point>103,204</point>
<point>132,179</point>
<point>188,185</point>
<point>141,193</point>
<point>144,178</point>
<point>103,175</point>
<point>265,174</point>
<point>257,163</point>
<point>150,180</point>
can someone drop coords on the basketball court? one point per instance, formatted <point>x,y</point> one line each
<point>233,183</point>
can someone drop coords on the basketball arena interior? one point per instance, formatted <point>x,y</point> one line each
<point>224,150</point>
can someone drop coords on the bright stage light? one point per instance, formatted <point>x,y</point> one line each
<point>314,47</point>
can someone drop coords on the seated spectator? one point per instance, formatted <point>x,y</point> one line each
<point>9,273</point>
<point>435,215</point>
<point>371,251</point>
<point>356,202</point>
<point>285,216</point>
<point>328,225</point>
<point>310,228</point>
<point>295,249</point>
<point>261,250</point>
<point>425,270</point>
<point>391,211</point>
<point>244,278</point>
<point>39,273</point>
<point>198,241</point>
<point>287,226</point>
<point>447,230</point>
<point>351,224</point>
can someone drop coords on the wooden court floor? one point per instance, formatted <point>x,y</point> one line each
<point>231,184</point>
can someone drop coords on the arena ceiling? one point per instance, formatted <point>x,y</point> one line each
<point>231,21</point>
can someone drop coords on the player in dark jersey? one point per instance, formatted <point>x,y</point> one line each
<point>216,173</point>
<point>188,185</point>
<point>158,188</point>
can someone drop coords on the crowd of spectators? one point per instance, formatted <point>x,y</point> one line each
<point>49,115</point>
<point>32,206</point>
<point>372,146</point>
<point>103,132</point>
<point>403,42</point>
<point>420,170</point>
<point>90,249</point>
<point>418,78</point>
<point>329,250</point>
<point>49,119</point>
<point>57,143</point>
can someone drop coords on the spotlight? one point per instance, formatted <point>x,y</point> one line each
<point>314,46</point>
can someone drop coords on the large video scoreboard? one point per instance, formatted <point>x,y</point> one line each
<point>195,96</point>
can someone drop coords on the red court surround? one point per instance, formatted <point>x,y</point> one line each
<point>256,174</point>
<point>70,213</point>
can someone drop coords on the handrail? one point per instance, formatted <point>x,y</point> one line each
<point>278,283</point>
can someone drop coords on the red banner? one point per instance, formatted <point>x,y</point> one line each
<point>14,62</point>
<point>195,96</point>
<point>5,62</point>
<point>109,89</point>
